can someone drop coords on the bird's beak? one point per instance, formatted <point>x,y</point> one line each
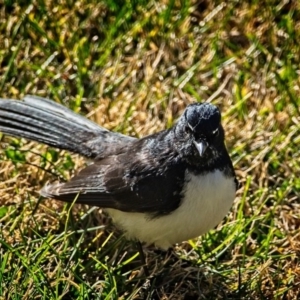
<point>201,146</point>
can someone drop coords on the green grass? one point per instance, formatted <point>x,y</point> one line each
<point>133,67</point>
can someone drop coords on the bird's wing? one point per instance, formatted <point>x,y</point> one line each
<point>126,183</point>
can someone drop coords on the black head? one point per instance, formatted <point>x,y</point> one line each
<point>199,132</point>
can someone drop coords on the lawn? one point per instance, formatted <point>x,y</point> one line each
<point>132,67</point>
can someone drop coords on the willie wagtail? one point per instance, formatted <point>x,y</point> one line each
<point>165,188</point>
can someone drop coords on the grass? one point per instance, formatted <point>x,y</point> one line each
<point>133,67</point>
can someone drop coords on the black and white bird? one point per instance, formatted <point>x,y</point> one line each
<point>162,189</point>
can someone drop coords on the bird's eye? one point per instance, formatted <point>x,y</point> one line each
<point>188,129</point>
<point>215,132</point>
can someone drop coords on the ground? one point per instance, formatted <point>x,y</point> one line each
<point>133,66</point>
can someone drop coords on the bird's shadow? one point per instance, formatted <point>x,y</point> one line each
<point>173,277</point>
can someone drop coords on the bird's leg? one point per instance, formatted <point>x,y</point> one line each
<point>142,256</point>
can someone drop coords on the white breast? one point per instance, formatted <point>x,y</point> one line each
<point>207,200</point>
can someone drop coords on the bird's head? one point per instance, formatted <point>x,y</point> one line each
<point>199,133</point>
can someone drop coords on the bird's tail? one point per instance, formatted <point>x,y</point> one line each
<point>50,123</point>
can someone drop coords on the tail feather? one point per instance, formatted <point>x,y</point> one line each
<point>51,106</point>
<point>45,121</point>
<point>27,127</point>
